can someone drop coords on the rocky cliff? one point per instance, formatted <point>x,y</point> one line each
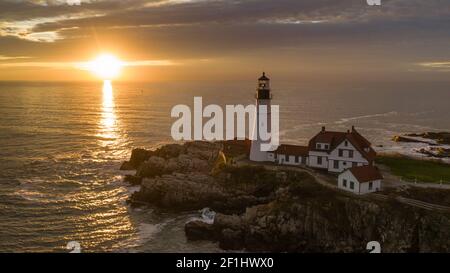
<point>263,210</point>
<point>328,224</point>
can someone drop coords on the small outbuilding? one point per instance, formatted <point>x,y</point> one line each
<point>360,180</point>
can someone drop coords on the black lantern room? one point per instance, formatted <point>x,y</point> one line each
<point>263,88</point>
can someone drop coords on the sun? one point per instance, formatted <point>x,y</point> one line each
<point>106,66</point>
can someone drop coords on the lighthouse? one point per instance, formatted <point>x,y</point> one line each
<point>262,120</point>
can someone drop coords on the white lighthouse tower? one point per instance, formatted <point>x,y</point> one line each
<point>262,120</point>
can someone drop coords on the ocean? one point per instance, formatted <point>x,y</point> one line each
<point>62,145</point>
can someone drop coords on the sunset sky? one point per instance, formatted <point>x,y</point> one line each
<point>164,40</point>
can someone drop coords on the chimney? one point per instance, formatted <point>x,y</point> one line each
<point>348,131</point>
<point>353,129</point>
<point>323,128</point>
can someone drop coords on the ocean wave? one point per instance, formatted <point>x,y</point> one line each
<point>341,121</point>
<point>206,215</point>
<point>133,189</point>
<point>35,196</point>
<point>346,120</point>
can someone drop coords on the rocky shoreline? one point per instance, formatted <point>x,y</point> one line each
<point>438,143</point>
<point>439,137</point>
<point>258,209</point>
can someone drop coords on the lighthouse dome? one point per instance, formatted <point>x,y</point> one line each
<point>263,77</point>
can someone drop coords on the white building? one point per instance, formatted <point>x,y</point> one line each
<point>289,155</point>
<point>338,151</point>
<point>263,97</point>
<point>332,151</point>
<point>360,180</point>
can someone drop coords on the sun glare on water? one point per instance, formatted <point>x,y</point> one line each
<point>106,66</point>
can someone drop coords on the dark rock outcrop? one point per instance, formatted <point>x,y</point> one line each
<point>439,137</point>
<point>436,141</point>
<point>198,149</point>
<point>199,230</point>
<point>173,157</point>
<point>133,179</point>
<point>437,152</point>
<point>137,157</point>
<point>410,140</point>
<point>195,190</point>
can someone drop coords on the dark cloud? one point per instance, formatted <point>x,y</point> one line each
<point>136,13</point>
<point>18,10</point>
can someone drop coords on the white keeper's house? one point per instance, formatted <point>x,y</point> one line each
<point>329,150</point>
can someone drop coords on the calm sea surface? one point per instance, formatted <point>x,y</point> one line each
<point>61,146</point>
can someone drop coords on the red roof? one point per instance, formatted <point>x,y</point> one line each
<point>328,137</point>
<point>366,173</point>
<point>292,150</point>
<point>335,138</point>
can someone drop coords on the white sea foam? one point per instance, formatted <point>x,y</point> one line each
<point>148,231</point>
<point>30,195</point>
<point>133,189</point>
<point>34,195</point>
<point>206,215</point>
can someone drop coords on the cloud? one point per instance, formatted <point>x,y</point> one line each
<point>8,58</point>
<point>176,12</point>
<point>24,29</point>
<point>82,65</point>
<point>39,64</point>
<point>443,66</point>
<point>48,20</point>
<point>151,63</point>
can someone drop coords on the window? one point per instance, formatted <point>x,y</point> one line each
<point>319,160</point>
<point>350,154</point>
<point>346,143</point>
<point>370,186</point>
<point>354,164</point>
<point>341,152</point>
<point>336,164</point>
<point>286,158</point>
<point>352,185</point>
<point>297,159</point>
<point>319,146</point>
<point>344,183</point>
<point>326,146</point>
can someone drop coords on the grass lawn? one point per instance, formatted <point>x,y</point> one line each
<point>411,169</point>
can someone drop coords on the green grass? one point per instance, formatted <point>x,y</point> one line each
<point>412,169</point>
